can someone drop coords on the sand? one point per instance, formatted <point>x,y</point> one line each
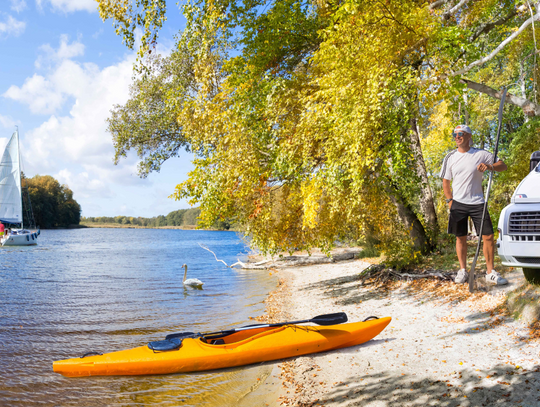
<point>444,347</point>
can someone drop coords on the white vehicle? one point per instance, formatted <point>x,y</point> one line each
<point>519,225</point>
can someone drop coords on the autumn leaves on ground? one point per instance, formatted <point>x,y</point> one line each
<point>445,346</point>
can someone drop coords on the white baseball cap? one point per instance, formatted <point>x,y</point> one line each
<point>464,128</point>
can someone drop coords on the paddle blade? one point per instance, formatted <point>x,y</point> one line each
<point>330,319</point>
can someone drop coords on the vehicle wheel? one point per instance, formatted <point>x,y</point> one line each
<point>532,275</point>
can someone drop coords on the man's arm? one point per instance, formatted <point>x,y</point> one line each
<point>447,189</point>
<point>499,166</point>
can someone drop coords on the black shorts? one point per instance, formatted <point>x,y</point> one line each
<point>459,214</point>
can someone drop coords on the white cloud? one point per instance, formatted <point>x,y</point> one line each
<point>81,135</point>
<point>38,93</point>
<point>47,95</point>
<point>83,184</point>
<point>72,143</point>
<point>97,34</point>
<point>7,122</point>
<point>18,5</point>
<point>64,51</point>
<point>76,146</point>
<point>11,27</point>
<point>68,6</point>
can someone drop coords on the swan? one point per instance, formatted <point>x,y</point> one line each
<point>192,282</point>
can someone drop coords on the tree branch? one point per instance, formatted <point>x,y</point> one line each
<point>437,4</point>
<point>529,108</point>
<point>484,29</point>
<point>496,50</point>
<point>446,15</point>
<point>206,248</point>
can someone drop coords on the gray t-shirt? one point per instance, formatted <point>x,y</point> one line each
<point>460,168</point>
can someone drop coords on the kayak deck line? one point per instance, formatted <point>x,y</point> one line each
<point>238,349</point>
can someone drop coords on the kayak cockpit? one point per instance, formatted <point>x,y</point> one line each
<point>174,341</point>
<point>230,338</point>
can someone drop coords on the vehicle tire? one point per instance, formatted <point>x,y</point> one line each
<point>532,275</point>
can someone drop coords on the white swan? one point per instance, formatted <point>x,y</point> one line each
<point>192,282</point>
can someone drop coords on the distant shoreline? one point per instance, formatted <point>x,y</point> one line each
<point>119,226</point>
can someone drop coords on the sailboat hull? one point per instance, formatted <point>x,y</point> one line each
<point>24,239</point>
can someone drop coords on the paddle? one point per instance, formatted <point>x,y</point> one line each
<point>174,341</point>
<point>479,233</point>
<point>326,319</point>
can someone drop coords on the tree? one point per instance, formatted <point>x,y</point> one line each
<point>312,121</point>
<point>190,217</point>
<point>148,121</point>
<point>53,204</point>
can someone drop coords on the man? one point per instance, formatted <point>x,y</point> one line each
<point>465,167</point>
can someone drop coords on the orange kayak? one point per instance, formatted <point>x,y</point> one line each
<point>237,349</point>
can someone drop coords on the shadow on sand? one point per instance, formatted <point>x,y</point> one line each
<point>500,385</point>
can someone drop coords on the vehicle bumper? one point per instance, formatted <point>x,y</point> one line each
<point>518,249</point>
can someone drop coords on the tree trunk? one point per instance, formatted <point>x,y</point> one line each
<point>426,199</point>
<point>411,221</point>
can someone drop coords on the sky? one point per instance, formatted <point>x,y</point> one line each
<point>62,69</point>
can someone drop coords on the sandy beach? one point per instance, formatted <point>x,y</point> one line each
<point>444,346</point>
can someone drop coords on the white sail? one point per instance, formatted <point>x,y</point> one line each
<point>10,183</point>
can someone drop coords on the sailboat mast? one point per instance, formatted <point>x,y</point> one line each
<point>20,175</point>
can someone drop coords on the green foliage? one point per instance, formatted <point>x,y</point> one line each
<point>401,253</point>
<point>301,115</point>
<point>146,15</point>
<point>181,217</point>
<point>148,122</point>
<point>523,142</point>
<point>53,204</point>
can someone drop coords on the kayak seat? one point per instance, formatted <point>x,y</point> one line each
<point>218,342</point>
<point>165,345</point>
<point>172,341</point>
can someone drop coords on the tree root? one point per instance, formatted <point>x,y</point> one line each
<point>379,274</point>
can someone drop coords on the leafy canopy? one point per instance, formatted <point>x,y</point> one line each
<point>317,121</point>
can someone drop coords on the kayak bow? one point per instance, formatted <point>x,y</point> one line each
<point>237,349</point>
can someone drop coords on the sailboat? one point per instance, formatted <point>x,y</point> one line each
<point>11,197</point>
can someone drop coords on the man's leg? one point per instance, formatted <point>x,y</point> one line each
<point>457,226</point>
<point>492,276</point>
<point>461,250</point>
<point>489,251</point>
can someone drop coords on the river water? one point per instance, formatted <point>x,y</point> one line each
<point>111,289</point>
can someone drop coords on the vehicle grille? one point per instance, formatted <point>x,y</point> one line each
<point>524,223</point>
<point>528,260</point>
<point>524,238</point>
